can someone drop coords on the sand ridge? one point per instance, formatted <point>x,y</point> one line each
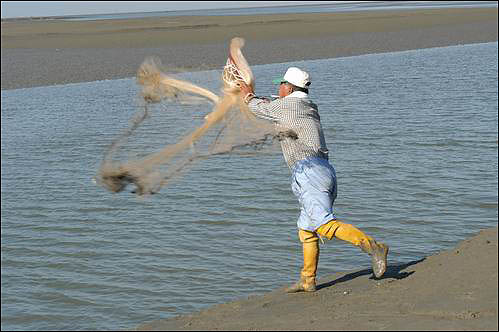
<point>455,289</point>
<point>46,52</point>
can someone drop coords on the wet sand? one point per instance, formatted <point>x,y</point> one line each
<point>46,52</point>
<point>452,290</point>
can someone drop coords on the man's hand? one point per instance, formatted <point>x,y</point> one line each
<point>245,89</point>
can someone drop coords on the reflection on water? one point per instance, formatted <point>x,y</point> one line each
<point>413,137</point>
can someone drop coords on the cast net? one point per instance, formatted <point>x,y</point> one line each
<point>229,128</point>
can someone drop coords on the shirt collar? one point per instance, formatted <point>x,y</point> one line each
<point>298,94</point>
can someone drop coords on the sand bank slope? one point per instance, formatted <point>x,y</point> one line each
<point>453,290</point>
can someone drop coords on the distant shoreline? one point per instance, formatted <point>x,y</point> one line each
<point>39,53</point>
<point>59,17</point>
<point>338,7</point>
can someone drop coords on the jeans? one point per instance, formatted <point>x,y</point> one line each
<point>314,184</point>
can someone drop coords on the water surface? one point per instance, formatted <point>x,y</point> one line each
<point>413,137</point>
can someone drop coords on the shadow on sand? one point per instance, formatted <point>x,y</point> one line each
<point>392,272</point>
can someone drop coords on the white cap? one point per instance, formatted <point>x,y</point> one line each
<point>297,77</point>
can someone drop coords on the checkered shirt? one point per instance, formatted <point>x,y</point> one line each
<point>300,115</point>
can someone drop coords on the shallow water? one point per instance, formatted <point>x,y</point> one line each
<point>334,7</point>
<point>413,137</point>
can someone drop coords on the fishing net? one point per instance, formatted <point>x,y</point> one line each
<point>230,127</point>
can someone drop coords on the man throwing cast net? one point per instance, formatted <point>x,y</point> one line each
<point>313,177</point>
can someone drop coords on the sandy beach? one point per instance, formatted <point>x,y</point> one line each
<point>47,52</point>
<point>453,290</point>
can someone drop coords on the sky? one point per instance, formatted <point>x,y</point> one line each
<point>60,8</point>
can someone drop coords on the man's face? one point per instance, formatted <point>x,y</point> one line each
<point>284,89</point>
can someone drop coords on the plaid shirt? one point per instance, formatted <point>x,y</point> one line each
<point>300,115</point>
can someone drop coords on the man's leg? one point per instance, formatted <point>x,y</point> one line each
<point>310,245</point>
<point>349,233</point>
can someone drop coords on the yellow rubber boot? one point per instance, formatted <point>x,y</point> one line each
<point>310,261</point>
<point>349,233</point>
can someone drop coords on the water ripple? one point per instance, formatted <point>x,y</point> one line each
<point>413,137</point>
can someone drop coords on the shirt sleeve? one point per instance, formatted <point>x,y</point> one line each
<point>265,109</point>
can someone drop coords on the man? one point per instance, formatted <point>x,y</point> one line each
<point>313,177</point>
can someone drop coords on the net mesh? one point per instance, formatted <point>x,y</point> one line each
<point>229,128</point>
<point>231,75</point>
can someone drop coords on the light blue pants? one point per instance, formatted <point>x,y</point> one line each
<point>314,184</point>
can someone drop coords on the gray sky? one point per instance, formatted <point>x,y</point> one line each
<point>60,8</point>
